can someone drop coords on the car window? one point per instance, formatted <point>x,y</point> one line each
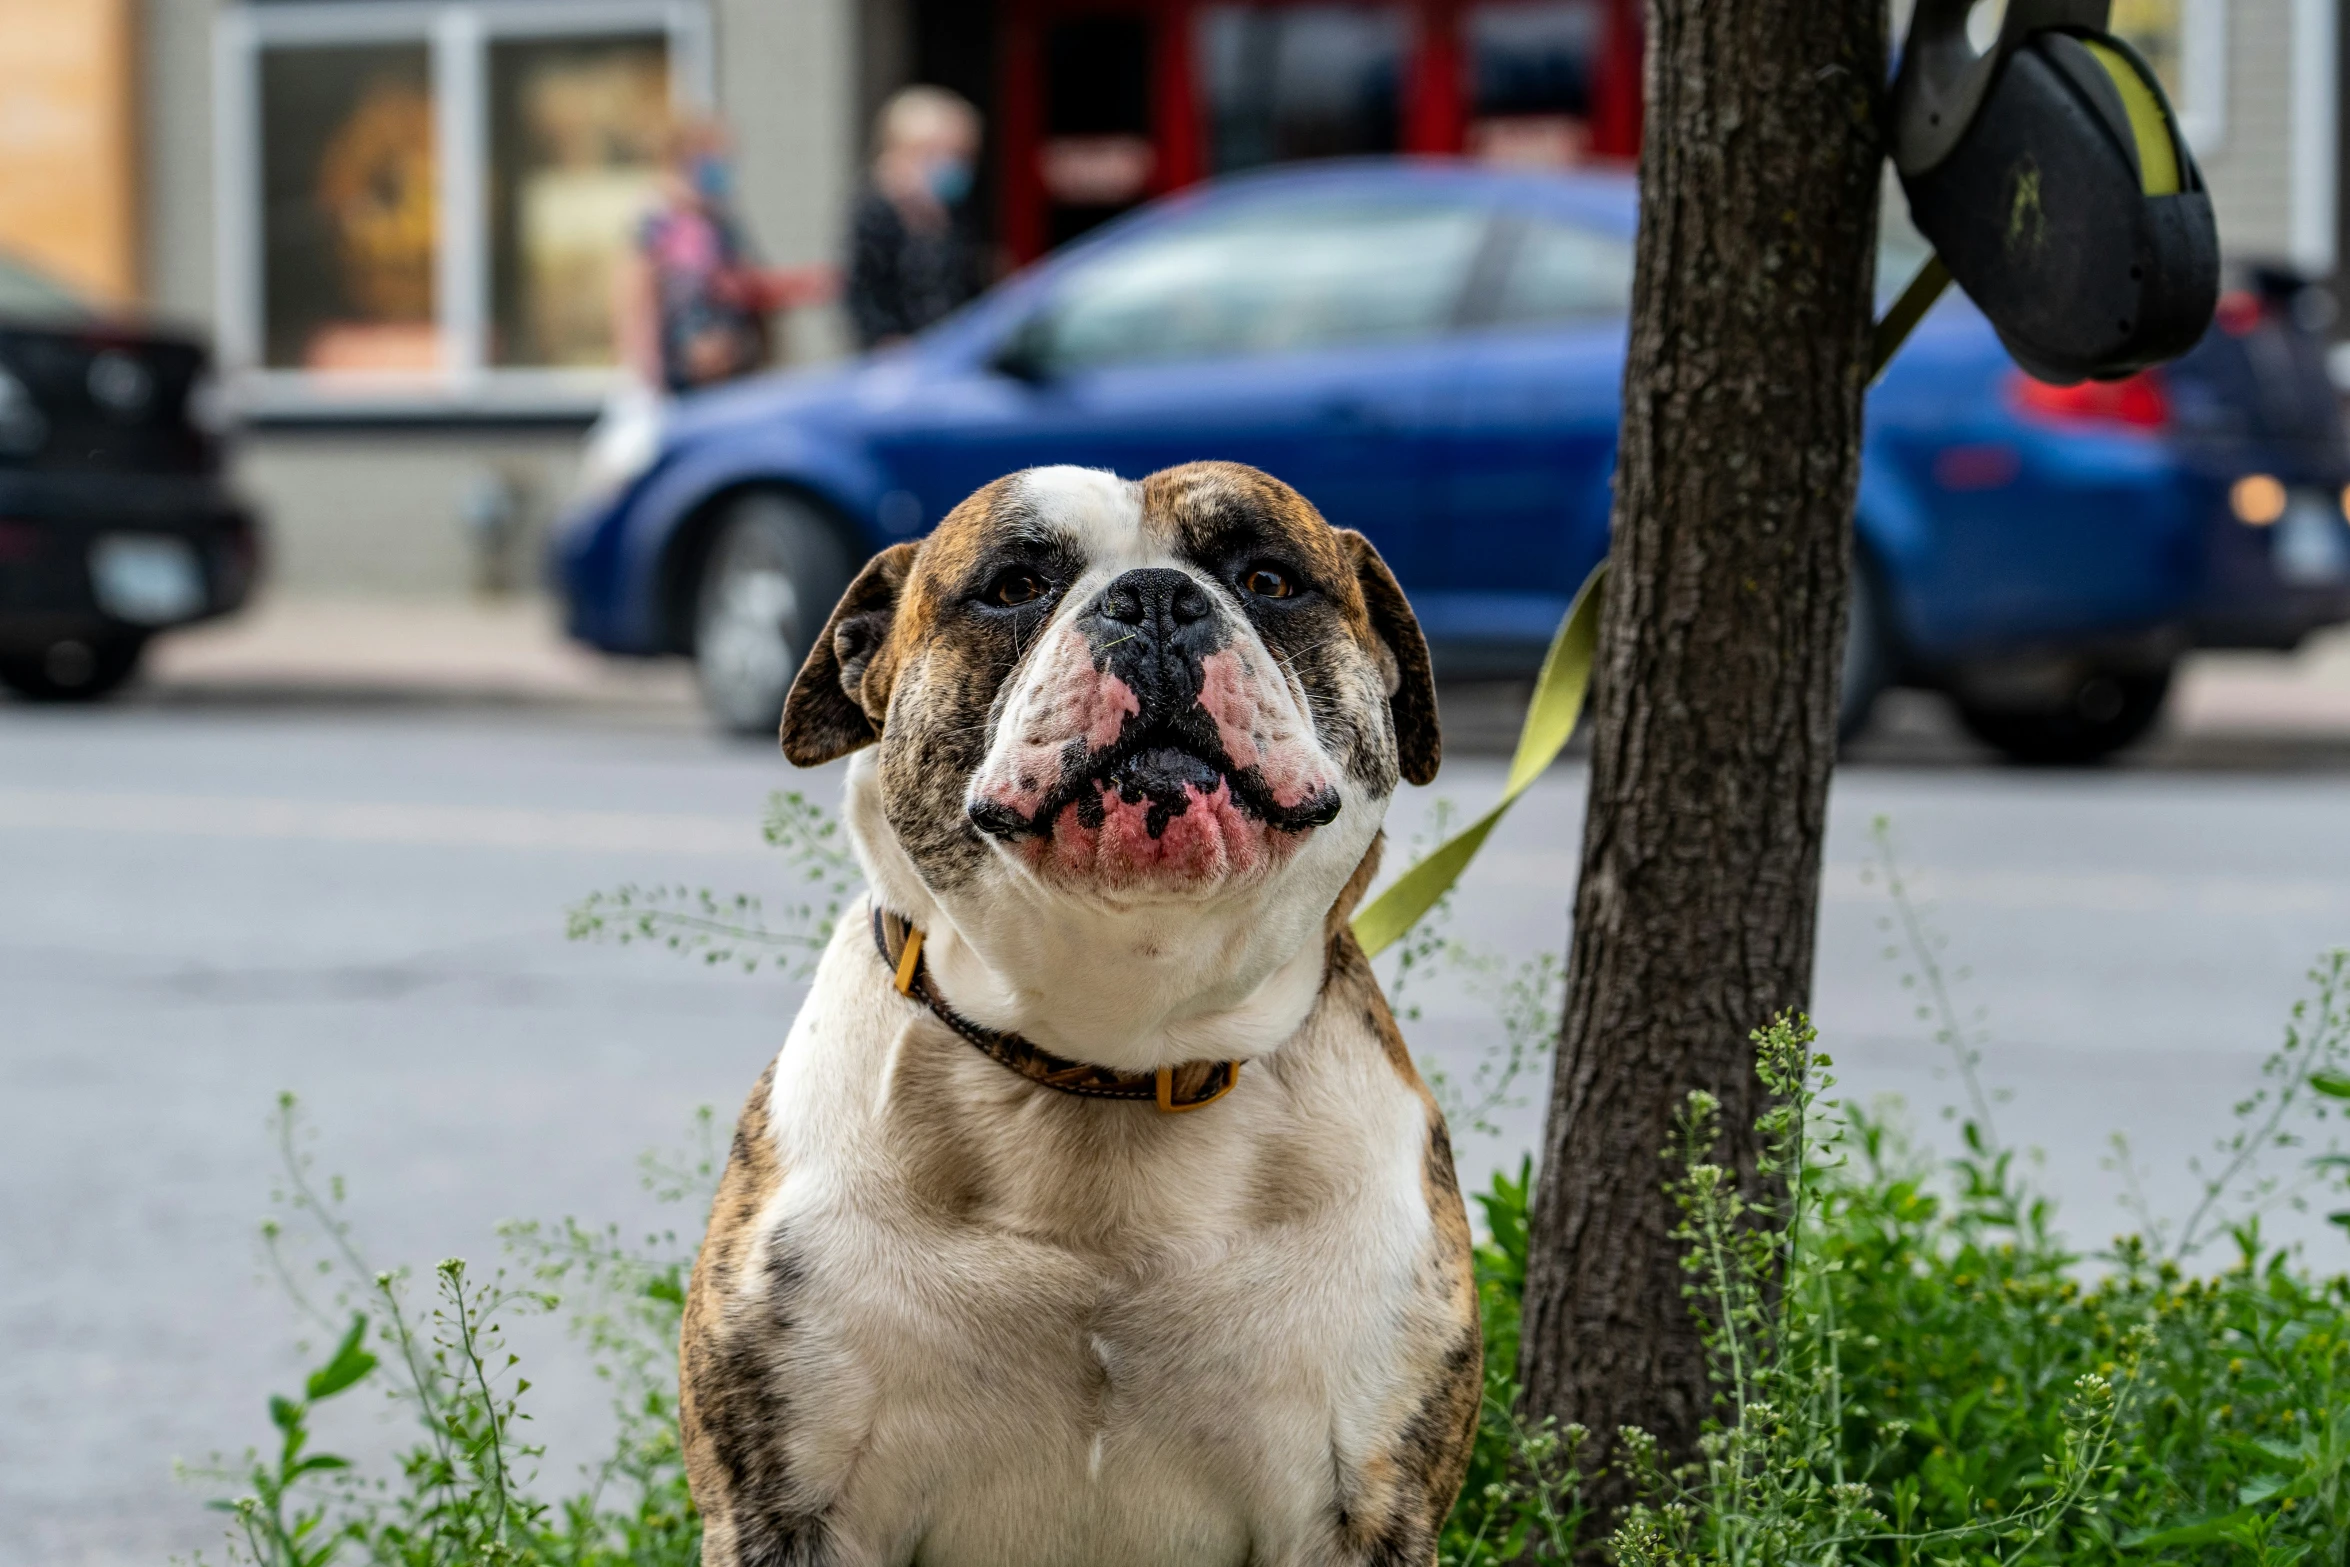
<point>1901,249</point>
<point>1265,280</point>
<point>27,295</point>
<point>1558,272</point>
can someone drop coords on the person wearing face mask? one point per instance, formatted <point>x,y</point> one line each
<point>694,302</point>
<point>911,259</point>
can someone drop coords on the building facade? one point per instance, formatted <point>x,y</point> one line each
<point>398,219</point>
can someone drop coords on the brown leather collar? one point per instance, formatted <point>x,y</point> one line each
<point>1172,1088</point>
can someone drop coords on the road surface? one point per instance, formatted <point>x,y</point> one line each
<point>207,903</point>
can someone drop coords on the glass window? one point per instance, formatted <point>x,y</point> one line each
<point>1302,81</point>
<point>350,222</point>
<point>431,204</point>
<point>576,130</point>
<point>1097,159</point>
<point>1531,68</point>
<point>1559,272</point>
<point>1266,282</point>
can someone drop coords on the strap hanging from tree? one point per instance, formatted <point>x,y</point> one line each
<point>1565,681</point>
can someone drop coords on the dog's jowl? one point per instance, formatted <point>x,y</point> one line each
<point>1092,1213</point>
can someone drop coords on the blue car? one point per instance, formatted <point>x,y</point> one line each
<point>1434,354</point>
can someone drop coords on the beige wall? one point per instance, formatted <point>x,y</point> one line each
<point>384,512</point>
<point>788,85</point>
<point>69,203</point>
<point>2251,170</point>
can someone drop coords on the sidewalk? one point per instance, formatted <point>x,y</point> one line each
<point>510,652</point>
<point>2304,693</point>
<point>507,651</point>
<point>2227,711</point>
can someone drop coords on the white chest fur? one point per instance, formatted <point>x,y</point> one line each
<point>1029,1328</point>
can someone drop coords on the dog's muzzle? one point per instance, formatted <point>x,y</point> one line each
<point>1162,718</point>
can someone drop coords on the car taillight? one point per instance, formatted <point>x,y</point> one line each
<point>2239,312</point>
<point>2136,402</point>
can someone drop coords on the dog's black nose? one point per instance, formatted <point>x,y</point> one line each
<point>1155,597</point>
<point>1151,627</point>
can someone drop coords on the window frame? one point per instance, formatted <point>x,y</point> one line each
<point>458,36</point>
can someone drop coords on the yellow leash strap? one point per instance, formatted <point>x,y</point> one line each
<point>1908,310</point>
<point>1566,680</point>
<point>1558,701</point>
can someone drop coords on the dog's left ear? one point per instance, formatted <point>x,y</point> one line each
<point>1411,688</point>
<point>834,707</point>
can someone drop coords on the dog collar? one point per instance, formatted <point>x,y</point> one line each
<point>1174,1089</point>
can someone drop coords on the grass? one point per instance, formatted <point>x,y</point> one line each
<point>1912,1366</point>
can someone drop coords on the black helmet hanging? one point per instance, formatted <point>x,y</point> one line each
<point>2049,173</point>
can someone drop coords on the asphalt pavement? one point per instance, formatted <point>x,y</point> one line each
<point>208,899</point>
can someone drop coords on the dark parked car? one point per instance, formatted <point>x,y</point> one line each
<point>1434,354</point>
<point>114,522</point>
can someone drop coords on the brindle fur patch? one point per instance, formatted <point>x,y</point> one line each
<point>1420,1473</point>
<point>734,1420</point>
<point>941,669</point>
<point>1350,896</point>
<point>1405,1492</point>
<point>1225,516</point>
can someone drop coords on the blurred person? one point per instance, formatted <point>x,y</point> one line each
<point>693,299</point>
<point>911,257</point>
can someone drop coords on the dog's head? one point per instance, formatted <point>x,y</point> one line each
<point>1099,697</point>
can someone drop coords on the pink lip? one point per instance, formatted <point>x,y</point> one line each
<point>1212,840</point>
<point>1082,702</point>
<point>1254,732</point>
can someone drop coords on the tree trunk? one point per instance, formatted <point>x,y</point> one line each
<point>1715,699</point>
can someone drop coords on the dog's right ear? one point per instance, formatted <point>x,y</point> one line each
<point>833,708</point>
<point>1411,698</point>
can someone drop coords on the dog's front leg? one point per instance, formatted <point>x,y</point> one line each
<point>766,1482</point>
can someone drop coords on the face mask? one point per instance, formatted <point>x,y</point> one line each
<point>712,178</point>
<point>950,180</point>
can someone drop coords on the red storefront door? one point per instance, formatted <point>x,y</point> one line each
<point>1106,103</point>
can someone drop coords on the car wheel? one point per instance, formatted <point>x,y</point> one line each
<point>1868,655</point>
<point>774,571</point>
<point>2106,711</point>
<point>73,669</point>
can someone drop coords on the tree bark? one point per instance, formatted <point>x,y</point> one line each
<point>1715,698</point>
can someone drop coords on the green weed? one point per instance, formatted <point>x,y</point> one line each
<point>1912,1367</point>
<point>721,929</point>
<point>463,1490</point>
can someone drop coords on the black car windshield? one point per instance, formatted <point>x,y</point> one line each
<point>26,295</point>
<point>1266,279</point>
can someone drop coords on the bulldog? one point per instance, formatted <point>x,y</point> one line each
<point>1092,1214</point>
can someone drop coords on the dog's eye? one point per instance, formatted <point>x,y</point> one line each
<point>1014,586</point>
<point>1266,583</point>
